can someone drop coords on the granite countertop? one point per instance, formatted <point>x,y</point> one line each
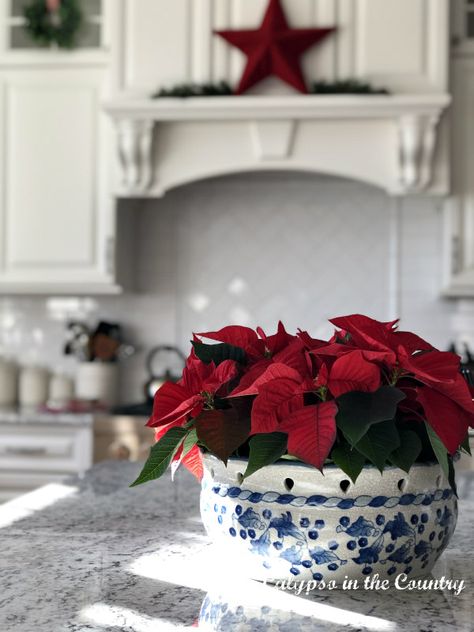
<point>95,555</point>
<point>32,416</point>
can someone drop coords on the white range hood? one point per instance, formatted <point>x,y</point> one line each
<point>387,141</point>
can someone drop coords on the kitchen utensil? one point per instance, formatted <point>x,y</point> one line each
<point>156,379</point>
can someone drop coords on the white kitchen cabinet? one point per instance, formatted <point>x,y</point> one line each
<point>459,260</point>
<point>35,453</point>
<point>57,218</point>
<point>459,274</point>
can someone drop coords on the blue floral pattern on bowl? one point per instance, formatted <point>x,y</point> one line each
<point>324,537</point>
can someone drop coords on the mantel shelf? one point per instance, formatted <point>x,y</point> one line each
<point>271,107</point>
<point>386,140</point>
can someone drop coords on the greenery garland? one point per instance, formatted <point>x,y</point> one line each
<point>347,86</point>
<point>184,90</point>
<point>59,27</point>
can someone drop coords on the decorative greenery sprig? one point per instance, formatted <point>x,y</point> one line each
<point>186,90</point>
<point>345,86</point>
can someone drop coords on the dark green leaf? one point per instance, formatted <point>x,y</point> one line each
<point>358,411</point>
<point>465,447</point>
<point>218,353</point>
<point>442,456</point>
<point>222,431</point>
<point>379,442</point>
<point>265,449</point>
<point>350,460</point>
<point>189,442</point>
<point>408,451</point>
<point>160,455</point>
<point>439,450</point>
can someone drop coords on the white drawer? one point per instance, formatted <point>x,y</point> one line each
<point>34,447</point>
<point>45,448</point>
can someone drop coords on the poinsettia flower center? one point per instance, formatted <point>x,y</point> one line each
<point>321,391</point>
<point>397,372</point>
<point>208,400</point>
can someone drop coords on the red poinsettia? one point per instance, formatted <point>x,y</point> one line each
<point>174,403</point>
<point>315,400</point>
<point>196,389</point>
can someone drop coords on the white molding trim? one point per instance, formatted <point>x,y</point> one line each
<point>387,141</point>
<point>278,107</point>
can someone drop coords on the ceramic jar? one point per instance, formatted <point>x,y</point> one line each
<point>97,382</point>
<point>61,390</point>
<point>289,521</point>
<point>33,386</point>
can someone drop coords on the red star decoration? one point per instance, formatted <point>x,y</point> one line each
<point>274,49</point>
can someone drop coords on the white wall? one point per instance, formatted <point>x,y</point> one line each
<point>252,249</point>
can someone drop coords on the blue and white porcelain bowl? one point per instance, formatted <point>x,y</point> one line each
<point>289,521</point>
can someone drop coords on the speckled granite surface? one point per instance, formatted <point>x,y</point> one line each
<point>106,558</point>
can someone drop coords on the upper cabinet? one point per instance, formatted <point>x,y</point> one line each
<point>57,223</point>
<point>400,44</point>
<point>459,268</point>
<point>59,149</point>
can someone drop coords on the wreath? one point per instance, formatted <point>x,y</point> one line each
<point>54,22</point>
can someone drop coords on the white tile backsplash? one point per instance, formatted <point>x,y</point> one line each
<point>253,249</point>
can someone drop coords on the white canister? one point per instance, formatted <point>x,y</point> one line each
<point>33,386</point>
<point>61,390</point>
<point>8,383</point>
<point>97,382</point>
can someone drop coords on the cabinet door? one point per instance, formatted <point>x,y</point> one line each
<point>460,208</point>
<point>55,217</point>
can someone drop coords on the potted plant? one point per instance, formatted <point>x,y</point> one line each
<point>319,459</point>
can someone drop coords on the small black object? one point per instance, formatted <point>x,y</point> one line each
<point>112,330</point>
<point>467,375</point>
